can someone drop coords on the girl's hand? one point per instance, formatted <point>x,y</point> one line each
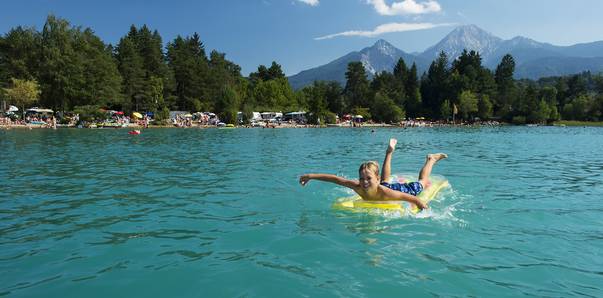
<point>421,205</point>
<point>303,180</point>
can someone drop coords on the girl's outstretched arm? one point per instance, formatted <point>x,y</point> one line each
<point>304,179</point>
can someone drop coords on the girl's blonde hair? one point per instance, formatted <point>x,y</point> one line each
<point>371,166</point>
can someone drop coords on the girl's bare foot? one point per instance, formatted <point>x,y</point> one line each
<point>437,156</point>
<point>392,145</point>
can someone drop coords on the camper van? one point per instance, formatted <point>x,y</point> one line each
<point>297,117</point>
<point>272,117</point>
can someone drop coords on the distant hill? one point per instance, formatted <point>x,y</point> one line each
<point>533,59</point>
<point>468,37</point>
<point>376,58</point>
<point>558,66</point>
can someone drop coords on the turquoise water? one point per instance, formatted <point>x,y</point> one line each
<point>219,213</point>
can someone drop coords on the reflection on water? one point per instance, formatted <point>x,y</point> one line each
<point>200,211</point>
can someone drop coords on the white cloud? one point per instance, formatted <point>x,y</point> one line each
<point>310,2</point>
<point>405,7</point>
<point>386,28</point>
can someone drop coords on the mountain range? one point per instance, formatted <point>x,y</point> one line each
<point>533,59</point>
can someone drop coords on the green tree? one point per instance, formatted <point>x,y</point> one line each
<point>578,108</point>
<point>189,64</point>
<point>577,85</point>
<point>561,87</point>
<point>385,83</point>
<point>19,54</point>
<point>356,90</point>
<point>467,104</point>
<point>413,93</point>
<point>384,109</point>
<point>435,86</point>
<point>266,74</point>
<point>154,99</point>
<point>130,66</point>
<point>275,94</point>
<point>541,114</point>
<point>101,80</point>
<point>149,46</point>
<point>484,107</point>
<point>275,71</point>
<point>554,115</point>
<point>76,67</point>
<point>401,72</point>
<point>506,90</point>
<point>334,97</point>
<point>317,102</point>
<point>446,109</point>
<point>222,73</point>
<point>401,77</point>
<point>468,67</point>
<point>549,95</point>
<point>22,93</point>
<point>527,102</point>
<point>60,70</point>
<point>227,105</point>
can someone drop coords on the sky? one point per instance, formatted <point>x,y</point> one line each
<point>302,34</point>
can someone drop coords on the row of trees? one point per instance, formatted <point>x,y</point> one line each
<point>66,68</point>
<point>462,88</point>
<point>71,68</point>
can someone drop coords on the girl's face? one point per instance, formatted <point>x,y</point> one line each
<point>368,179</point>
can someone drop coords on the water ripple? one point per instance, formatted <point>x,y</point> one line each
<point>206,209</point>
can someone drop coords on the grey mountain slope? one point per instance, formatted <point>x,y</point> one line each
<point>468,37</point>
<point>558,66</point>
<point>591,49</point>
<point>522,49</point>
<point>333,71</point>
<point>382,56</point>
<point>533,59</point>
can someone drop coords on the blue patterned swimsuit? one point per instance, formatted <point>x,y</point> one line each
<point>412,188</point>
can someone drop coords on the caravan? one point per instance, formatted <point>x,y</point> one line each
<point>272,117</point>
<point>297,117</point>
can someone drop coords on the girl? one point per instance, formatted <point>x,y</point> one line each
<point>372,187</point>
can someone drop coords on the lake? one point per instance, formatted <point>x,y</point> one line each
<point>219,213</point>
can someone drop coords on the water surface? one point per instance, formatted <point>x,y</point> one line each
<point>219,213</point>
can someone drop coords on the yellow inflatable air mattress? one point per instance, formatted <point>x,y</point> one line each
<point>356,203</point>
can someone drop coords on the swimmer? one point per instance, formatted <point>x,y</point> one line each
<point>372,187</point>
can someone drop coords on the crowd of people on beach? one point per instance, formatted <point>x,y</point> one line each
<point>203,119</point>
<point>424,123</point>
<point>182,121</point>
<point>46,122</point>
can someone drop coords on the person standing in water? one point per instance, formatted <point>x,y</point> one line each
<point>374,187</point>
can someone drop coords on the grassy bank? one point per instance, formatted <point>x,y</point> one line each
<point>578,123</point>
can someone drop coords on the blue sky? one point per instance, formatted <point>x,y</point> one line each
<point>301,34</point>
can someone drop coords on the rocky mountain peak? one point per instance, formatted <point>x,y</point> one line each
<point>468,37</point>
<point>384,47</point>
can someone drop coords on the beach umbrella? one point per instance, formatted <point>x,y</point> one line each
<point>137,115</point>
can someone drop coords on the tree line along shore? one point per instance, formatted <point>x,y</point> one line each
<point>69,69</point>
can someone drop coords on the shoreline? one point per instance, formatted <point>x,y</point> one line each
<point>282,126</point>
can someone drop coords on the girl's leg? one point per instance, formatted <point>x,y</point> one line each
<point>429,162</point>
<point>386,169</point>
